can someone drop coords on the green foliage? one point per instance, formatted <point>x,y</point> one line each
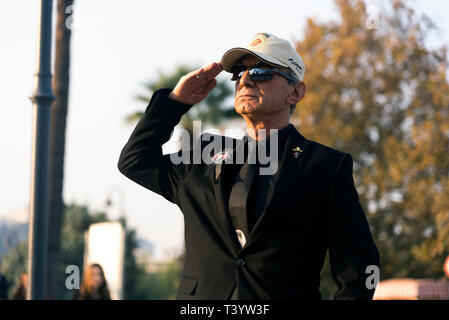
<point>160,285</point>
<point>11,235</point>
<point>14,263</point>
<point>134,272</point>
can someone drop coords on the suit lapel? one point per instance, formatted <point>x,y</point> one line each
<point>222,220</point>
<point>293,157</point>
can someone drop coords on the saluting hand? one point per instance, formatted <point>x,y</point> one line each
<point>196,85</point>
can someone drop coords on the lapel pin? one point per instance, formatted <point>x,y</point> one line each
<point>296,152</point>
<point>220,157</point>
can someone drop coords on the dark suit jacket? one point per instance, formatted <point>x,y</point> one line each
<point>314,207</point>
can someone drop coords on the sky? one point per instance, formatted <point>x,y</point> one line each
<point>116,47</point>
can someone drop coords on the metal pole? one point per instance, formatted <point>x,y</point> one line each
<point>110,202</point>
<point>42,98</point>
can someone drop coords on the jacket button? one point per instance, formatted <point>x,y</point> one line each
<point>241,262</point>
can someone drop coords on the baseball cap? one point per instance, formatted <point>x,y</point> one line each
<point>270,49</point>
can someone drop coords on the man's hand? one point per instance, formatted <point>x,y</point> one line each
<point>196,85</point>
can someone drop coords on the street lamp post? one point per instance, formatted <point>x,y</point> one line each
<point>110,201</point>
<point>41,98</point>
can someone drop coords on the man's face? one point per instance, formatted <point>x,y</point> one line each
<point>264,97</point>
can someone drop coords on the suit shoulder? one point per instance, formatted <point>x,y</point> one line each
<point>326,149</point>
<point>325,153</point>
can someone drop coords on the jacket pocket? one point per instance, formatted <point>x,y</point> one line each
<point>188,285</point>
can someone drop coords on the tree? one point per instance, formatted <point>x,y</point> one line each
<point>13,264</point>
<point>383,96</point>
<point>213,110</point>
<point>134,271</point>
<point>57,143</point>
<point>162,284</point>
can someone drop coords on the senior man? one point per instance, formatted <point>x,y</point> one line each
<point>249,234</point>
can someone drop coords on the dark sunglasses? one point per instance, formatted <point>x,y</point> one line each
<point>260,73</point>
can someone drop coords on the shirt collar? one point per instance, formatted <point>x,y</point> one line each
<point>282,135</point>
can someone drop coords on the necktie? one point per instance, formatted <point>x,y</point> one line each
<point>239,197</point>
<point>238,204</point>
<point>259,193</point>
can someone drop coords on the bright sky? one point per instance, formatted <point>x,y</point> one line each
<point>116,47</point>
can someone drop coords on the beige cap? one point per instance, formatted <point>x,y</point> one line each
<point>270,49</point>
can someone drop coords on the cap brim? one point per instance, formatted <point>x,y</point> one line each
<point>232,56</point>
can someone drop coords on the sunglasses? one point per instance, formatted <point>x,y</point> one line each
<point>260,73</point>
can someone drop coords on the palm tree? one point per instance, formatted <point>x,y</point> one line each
<point>57,146</point>
<point>212,110</point>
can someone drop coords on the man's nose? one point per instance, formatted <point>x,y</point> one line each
<point>245,80</point>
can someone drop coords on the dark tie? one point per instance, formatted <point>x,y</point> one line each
<point>239,196</point>
<point>238,200</point>
<point>238,205</point>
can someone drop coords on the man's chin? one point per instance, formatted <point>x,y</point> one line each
<point>247,109</point>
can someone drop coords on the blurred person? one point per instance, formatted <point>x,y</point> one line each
<point>94,285</point>
<point>21,291</point>
<point>250,235</point>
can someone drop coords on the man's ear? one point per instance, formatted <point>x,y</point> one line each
<point>297,93</point>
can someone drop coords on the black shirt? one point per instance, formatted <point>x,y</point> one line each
<point>263,184</point>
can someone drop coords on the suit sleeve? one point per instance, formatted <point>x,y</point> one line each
<point>141,159</point>
<point>351,247</point>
